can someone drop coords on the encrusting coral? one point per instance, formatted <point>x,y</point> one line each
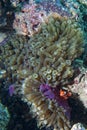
<point>45,60</point>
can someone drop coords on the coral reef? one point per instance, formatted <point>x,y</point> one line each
<point>17,3</point>
<point>45,58</point>
<point>43,66</point>
<point>82,20</point>
<point>78,126</point>
<point>3,38</point>
<point>80,86</point>
<point>78,10</point>
<point>53,6</point>
<point>5,10</point>
<point>32,15</point>
<point>4,117</point>
<point>72,7</point>
<point>27,21</point>
<point>84,2</point>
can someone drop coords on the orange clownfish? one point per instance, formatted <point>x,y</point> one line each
<point>65,94</point>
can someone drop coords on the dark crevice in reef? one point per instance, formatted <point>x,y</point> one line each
<point>78,111</point>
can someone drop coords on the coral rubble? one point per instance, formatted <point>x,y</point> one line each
<point>4,117</point>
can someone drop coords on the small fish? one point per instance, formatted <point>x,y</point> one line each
<point>65,93</point>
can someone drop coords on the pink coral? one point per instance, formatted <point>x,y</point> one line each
<point>28,20</point>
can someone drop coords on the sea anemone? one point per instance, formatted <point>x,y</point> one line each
<point>46,104</point>
<point>42,65</point>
